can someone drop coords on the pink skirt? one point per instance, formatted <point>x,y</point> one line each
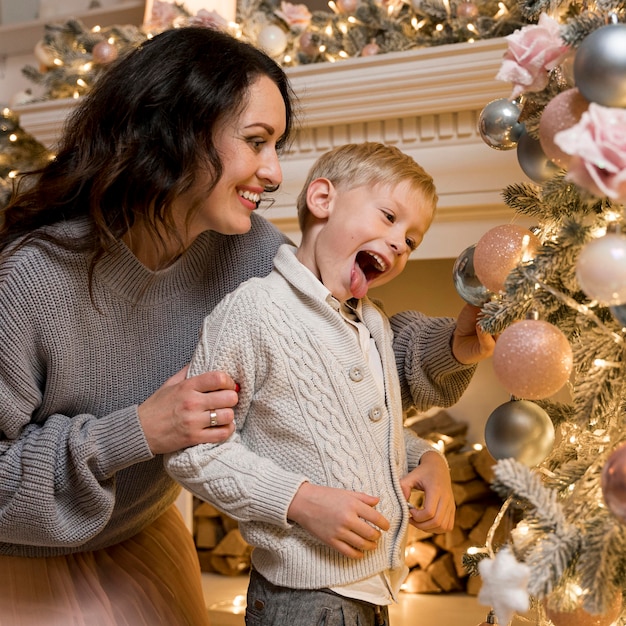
<point>152,579</point>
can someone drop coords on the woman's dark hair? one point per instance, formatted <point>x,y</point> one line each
<point>141,135</point>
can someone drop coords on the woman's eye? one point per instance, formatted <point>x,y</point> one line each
<point>256,143</point>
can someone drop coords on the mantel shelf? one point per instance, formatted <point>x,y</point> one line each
<point>20,38</point>
<point>426,101</point>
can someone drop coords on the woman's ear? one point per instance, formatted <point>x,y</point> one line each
<point>319,197</point>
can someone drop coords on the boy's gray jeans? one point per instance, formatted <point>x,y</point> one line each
<point>270,605</point>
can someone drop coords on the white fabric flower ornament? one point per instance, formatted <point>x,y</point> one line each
<point>505,585</point>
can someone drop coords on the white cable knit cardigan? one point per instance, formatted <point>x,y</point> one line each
<point>309,410</point>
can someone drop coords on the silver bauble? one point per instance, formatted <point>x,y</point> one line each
<point>533,160</point>
<point>600,66</point>
<point>520,430</point>
<point>465,280</point>
<point>498,124</point>
<point>619,313</point>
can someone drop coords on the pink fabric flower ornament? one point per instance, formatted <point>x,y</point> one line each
<point>597,144</point>
<point>296,16</point>
<point>208,19</point>
<point>163,15</point>
<point>533,51</point>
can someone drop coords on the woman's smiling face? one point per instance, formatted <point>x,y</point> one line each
<point>247,146</point>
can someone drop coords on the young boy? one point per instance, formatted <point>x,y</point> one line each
<point>320,468</point>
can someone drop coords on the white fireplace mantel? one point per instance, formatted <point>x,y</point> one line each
<point>426,101</point>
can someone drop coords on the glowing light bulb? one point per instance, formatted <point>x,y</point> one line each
<point>502,10</point>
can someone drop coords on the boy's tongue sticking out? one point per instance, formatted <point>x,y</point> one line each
<point>366,268</point>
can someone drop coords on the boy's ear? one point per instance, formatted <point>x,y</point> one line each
<point>319,197</point>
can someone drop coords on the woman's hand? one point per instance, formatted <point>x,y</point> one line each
<point>187,411</point>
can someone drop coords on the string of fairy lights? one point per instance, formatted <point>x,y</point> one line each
<point>70,56</point>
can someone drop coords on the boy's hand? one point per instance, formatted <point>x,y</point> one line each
<point>339,518</point>
<point>469,343</point>
<point>433,478</point>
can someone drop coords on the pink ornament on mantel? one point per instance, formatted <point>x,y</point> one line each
<point>532,359</point>
<point>306,44</point>
<point>104,53</point>
<point>467,10</point>
<point>43,54</point>
<point>499,250</point>
<point>346,6</point>
<point>371,49</point>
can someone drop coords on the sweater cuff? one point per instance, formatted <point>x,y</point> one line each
<point>274,496</point>
<point>119,441</point>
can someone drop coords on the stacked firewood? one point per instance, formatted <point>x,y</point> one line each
<point>435,561</point>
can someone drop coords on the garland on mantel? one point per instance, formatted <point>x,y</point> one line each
<point>71,56</point>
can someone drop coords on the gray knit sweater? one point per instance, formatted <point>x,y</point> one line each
<point>75,469</point>
<point>309,409</point>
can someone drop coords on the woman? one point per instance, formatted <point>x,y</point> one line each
<point>110,258</point>
<point>109,261</point>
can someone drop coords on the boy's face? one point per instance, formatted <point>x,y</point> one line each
<point>367,237</point>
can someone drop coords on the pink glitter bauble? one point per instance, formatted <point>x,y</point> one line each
<point>499,250</point>
<point>580,617</point>
<point>562,112</point>
<point>613,482</point>
<point>532,359</point>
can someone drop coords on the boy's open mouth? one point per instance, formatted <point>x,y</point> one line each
<point>371,264</point>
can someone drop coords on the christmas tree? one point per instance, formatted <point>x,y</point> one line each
<point>555,295</point>
<point>19,152</point>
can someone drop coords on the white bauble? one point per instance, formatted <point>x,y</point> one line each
<point>272,39</point>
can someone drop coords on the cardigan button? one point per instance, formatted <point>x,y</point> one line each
<point>356,374</point>
<point>375,413</point>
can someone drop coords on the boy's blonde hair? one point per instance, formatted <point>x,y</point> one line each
<point>369,163</point>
